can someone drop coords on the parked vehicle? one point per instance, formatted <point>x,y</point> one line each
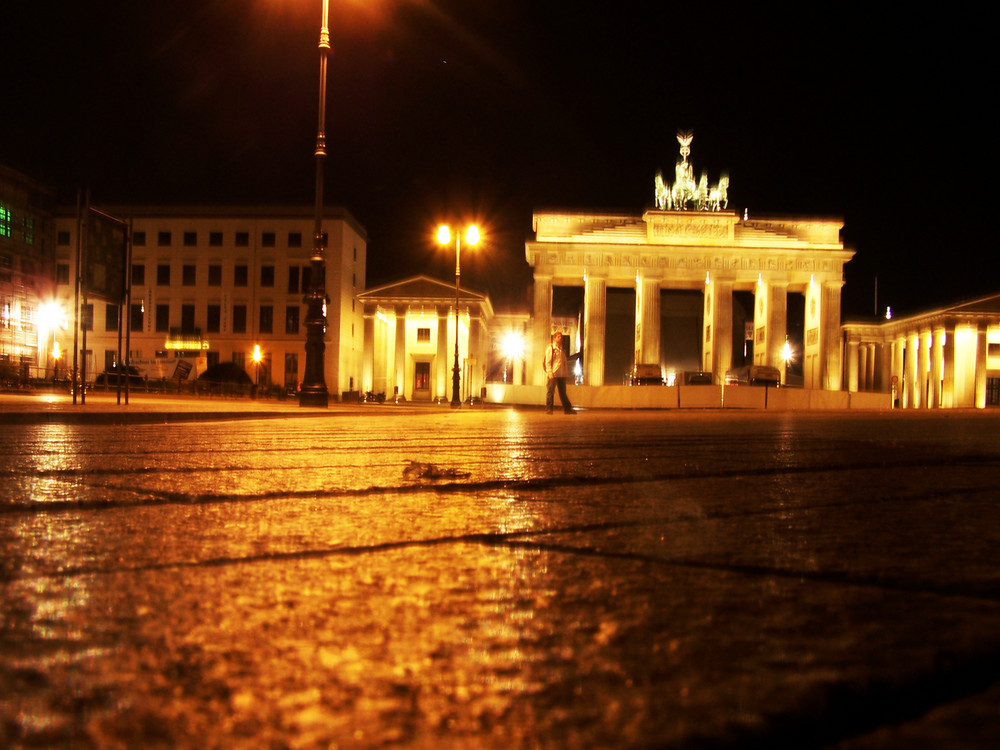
<point>754,375</point>
<point>111,376</point>
<point>646,375</point>
<point>692,377</point>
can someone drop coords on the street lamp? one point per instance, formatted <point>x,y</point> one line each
<point>786,356</point>
<point>471,238</point>
<point>257,357</point>
<point>314,392</point>
<point>56,354</point>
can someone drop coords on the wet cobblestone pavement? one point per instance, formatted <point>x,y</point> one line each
<point>617,579</point>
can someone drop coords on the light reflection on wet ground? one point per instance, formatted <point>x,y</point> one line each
<point>617,580</point>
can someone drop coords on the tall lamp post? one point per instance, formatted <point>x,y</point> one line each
<point>471,238</point>
<point>313,391</point>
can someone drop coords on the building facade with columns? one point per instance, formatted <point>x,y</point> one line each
<point>715,252</point>
<point>409,339</point>
<point>692,242</point>
<point>944,358</point>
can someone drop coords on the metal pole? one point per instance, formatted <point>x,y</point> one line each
<point>314,391</point>
<point>456,401</point>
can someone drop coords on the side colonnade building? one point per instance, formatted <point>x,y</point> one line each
<point>944,358</point>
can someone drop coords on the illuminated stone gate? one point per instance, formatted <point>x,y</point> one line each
<point>691,241</point>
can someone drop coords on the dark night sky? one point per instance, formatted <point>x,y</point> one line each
<point>449,109</point>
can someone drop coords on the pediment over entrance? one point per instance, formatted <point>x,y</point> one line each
<point>421,290</point>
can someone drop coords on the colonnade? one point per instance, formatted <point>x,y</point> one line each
<point>820,352</point>
<point>931,361</point>
<point>717,252</point>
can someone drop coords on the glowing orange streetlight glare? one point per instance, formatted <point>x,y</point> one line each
<point>256,353</point>
<point>472,235</point>
<point>512,345</point>
<point>786,352</point>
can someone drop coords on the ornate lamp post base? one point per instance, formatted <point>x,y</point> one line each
<point>313,391</point>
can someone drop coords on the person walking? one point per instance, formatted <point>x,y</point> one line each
<point>556,370</point>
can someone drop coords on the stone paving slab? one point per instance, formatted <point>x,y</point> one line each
<point>639,580</point>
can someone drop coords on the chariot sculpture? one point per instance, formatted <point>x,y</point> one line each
<point>685,194</point>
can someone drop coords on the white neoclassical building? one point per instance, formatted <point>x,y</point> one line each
<point>943,358</point>
<point>410,334</point>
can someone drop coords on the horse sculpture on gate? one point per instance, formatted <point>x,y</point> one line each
<point>685,194</point>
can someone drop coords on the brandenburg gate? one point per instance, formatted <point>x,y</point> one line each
<point>691,241</point>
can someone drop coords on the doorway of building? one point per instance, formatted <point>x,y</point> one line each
<point>422,381</point>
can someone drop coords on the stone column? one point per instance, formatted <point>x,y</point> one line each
<point>717,346</point>
<point>935,373</point>
<point>871,382</point>
<point>830,364</point>
<point>647,322</point>
<point>541,331</point>
<point>948,364</point>
<point>923,373</point>
<point>898,355</point>
<point>852,366</point>
<point>399,363</point>
<point>594,319</point>
<point>912,366</point>
<point>368,354</point>
<point>775,322</point>
<point>981,365</point>
<point>442,365</point>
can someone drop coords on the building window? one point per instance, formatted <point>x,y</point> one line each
<point>62,273</point>
<point>292,320</point>
<point>163,239</point>
<point>87,312</point>
<point>293,279</point>
<point>162,318</point>
<point>424,335</point>
<point>266,319</point>
<point>138,274</point>
<point>215,239</point>
<point>187,318</point>
<point>239,318</point>
<point>243,239</point>
<point>267,276</point>
<point>62,238</point>
<point>295,239</point>
<point>190,239</point>
<point>188,274</point>
<point>138,239</point>
<point>291,370</point>
<point>240,275</point>
<point>136,322</point>
<point>163,274</point>
<point>111,317</point>
<point>213,319</point>
<point>215,275</point>
<point>267,239</point>
<point>240,358</point>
